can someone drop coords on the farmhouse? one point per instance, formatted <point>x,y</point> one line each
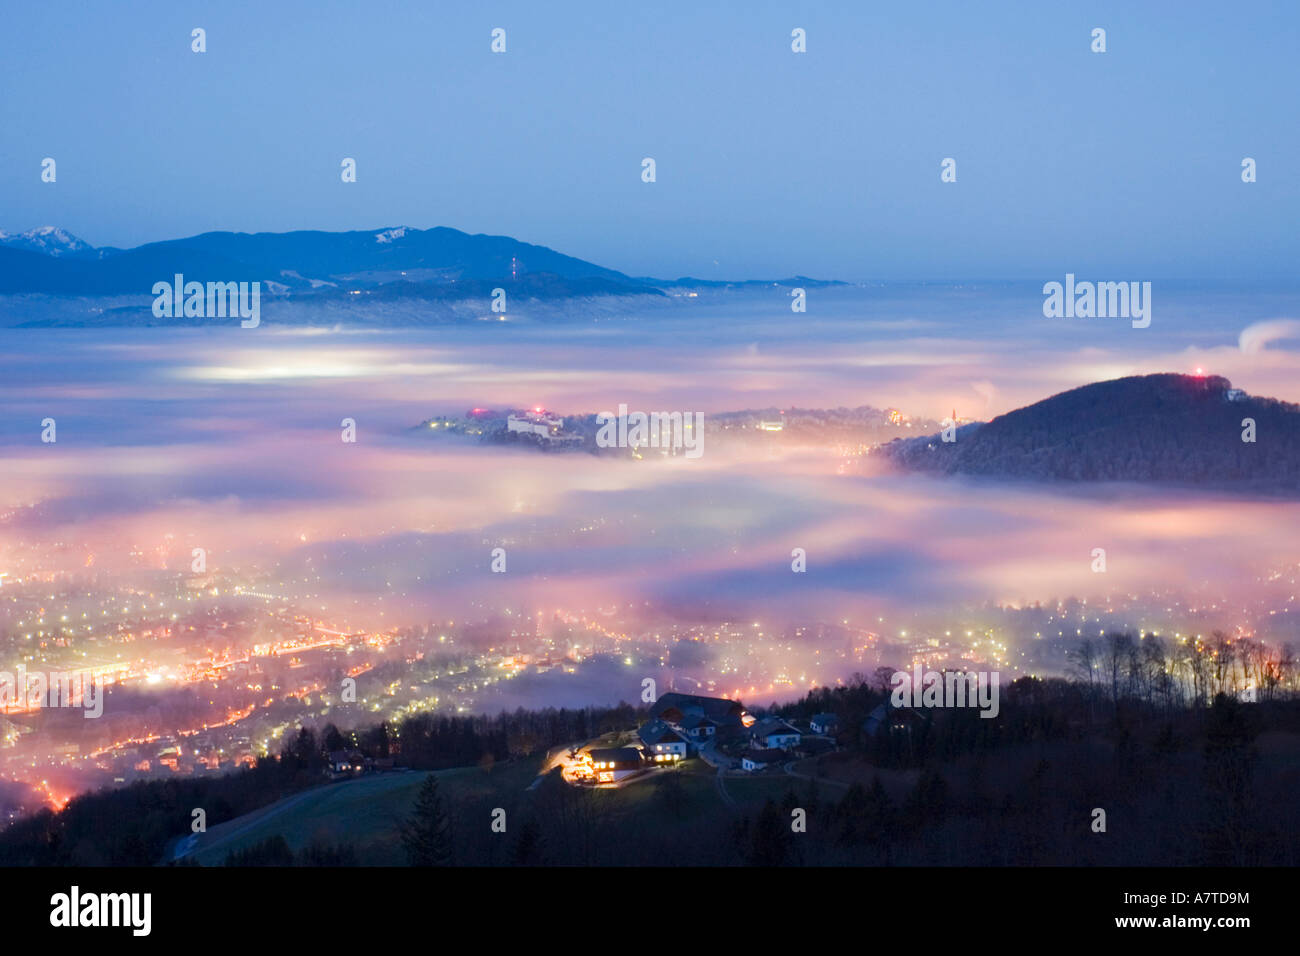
<point>662,743</point>
<point>725,715</point>
<point>697,727</point>
<point>616,763</point>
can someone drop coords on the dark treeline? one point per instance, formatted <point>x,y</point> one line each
<point>133,825</point>
<point>275,851</point>
<point>1116,685</point>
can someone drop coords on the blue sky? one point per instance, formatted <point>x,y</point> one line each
<point>1123,165</point>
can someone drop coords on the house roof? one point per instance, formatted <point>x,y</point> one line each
<point>825,719</point>
<point>765,756</point>
<point>718,709</point>
<point>694,719</point>
<point>886,715</point>
<point>771,725</point>
<point>617,755</point>
<point>658,732</point>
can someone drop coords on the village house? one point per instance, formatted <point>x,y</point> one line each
<point>343,761</point>
<point>826,724</point>
<point>753,760</point>
<point>886,718</point>
<point>773,733</point>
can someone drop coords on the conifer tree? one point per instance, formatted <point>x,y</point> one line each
<point>426,834</point>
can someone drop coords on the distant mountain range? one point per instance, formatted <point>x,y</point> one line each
<point>1168,428</point>
<point>439,263</point>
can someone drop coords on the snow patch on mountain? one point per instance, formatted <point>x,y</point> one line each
<point>48,240</point>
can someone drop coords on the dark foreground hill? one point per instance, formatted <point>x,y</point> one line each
<point>1190,783</point>
<point>1168,428</point>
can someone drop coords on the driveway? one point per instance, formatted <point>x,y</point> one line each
<point>721,781</point>
<point>710,754</point>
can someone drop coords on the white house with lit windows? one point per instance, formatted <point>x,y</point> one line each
<point>661,743</point>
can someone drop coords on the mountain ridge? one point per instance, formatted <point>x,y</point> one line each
<point>400,259</point>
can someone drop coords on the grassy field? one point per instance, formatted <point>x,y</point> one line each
<point>848,768</point>
<point>752,791</point>
<point>638,799</point>
<point>364,812</point>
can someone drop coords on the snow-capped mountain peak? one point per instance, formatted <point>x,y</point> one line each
<point>49,240</point>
